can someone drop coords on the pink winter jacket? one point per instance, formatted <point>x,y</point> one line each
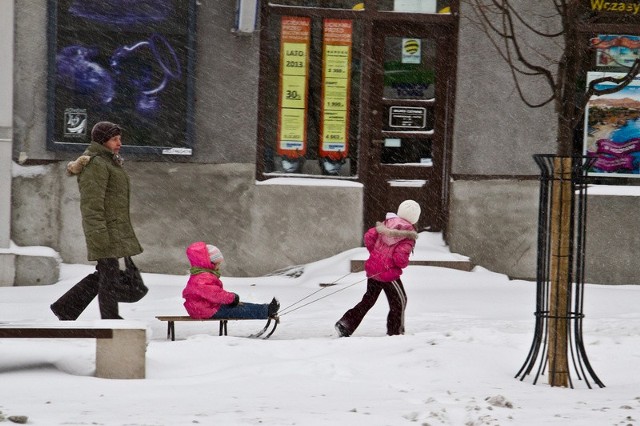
<point>389,243</point>
<point>204,293</point>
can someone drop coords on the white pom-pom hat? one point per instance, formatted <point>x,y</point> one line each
<point>409,210</point>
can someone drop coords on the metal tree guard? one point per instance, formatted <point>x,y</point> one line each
<point>556,172</point>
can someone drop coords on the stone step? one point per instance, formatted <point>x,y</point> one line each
<point>27,266</point>
<point>462,265</point>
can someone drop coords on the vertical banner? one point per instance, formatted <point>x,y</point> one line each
<point>612,128</point>
<point>292,99</point>
<point>336,86</point>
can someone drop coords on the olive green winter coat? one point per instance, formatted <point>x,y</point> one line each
<point>104,204</point>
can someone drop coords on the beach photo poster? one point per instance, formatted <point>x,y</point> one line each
<point>612,129</point>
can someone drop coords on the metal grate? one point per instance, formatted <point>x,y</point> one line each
<point>576,171</point>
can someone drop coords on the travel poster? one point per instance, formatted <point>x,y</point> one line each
<point>612,129</point>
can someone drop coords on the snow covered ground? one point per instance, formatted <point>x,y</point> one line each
<point>468,333</point>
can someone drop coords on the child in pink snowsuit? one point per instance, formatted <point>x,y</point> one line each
<point>389,244</point>
<point>205,296</point>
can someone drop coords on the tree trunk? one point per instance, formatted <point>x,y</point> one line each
<point>559,297</point>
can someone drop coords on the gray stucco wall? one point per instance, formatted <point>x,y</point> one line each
<point>613,239</point>
<point>30,82</point>
<point>226,84</point>
<point>212,197</point>
<point>493,207</point>
<point>495,133</point>
<point>495,223</point>
<point>493,212</point>
<point>260,228</point>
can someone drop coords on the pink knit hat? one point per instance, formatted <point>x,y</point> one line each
<point>215,255</point>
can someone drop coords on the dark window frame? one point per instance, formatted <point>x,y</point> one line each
<point>179,148</point>
<point>367,16</point>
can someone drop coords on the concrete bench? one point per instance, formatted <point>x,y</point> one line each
<point>120,349</point>
<point>171,328</point>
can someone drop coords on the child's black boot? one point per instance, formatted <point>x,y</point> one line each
<point>342,330</point>
<point>274,307</point>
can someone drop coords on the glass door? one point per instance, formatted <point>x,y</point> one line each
<point>407,137</point>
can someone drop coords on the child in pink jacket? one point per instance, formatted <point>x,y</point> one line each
<point>204,295</point>
<point>390,244</point>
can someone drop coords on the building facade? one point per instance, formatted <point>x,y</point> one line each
<point>280,130</point>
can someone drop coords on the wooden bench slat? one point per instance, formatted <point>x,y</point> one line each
<point>71,333</point>
<point>188,318</point>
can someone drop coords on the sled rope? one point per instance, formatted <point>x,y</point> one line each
<point>323,297</point>
<point>317,291</point>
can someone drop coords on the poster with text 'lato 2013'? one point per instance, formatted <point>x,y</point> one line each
<point>294,70</point>
<point>612,129</point>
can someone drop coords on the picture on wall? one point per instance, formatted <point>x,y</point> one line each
<point>126,61</point>
<point>616,52</point>
<point>612,129</point>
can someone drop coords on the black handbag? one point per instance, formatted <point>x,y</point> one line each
<point>130,288</point>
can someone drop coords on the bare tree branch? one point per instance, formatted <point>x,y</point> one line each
<point>513,12</point>
<point>620,83</point>
<point>516,38</point>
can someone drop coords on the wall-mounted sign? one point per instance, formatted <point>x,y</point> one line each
<point>294,71</point>
<point>612,129</point>
<point>616,51</point>
<point>125,61</point>
<point>411,50</point>
<point>402,117</point>
<point>619,7</point>
<point>415,6</point>
<point>336,86</point>
<point>410,90</point>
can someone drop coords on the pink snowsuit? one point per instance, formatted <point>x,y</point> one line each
<point>390,244</point>
<point>204,293</point>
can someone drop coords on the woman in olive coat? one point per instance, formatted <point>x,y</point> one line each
<point>104,204</point>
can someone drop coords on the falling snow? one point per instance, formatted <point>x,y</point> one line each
<point>468,333</point>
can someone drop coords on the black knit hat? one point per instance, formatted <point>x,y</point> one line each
<point>105,130</point>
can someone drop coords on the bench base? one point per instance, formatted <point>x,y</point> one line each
<point>120,351</point>
<point>171,328</point>
<point>122,356</point>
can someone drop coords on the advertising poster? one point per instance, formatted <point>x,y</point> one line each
<point>294,70</point>
<point>336,86</point>
<point>612,129</point>
<point>616,51</point>
<point>411,50</point>
<point>126,61</point>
